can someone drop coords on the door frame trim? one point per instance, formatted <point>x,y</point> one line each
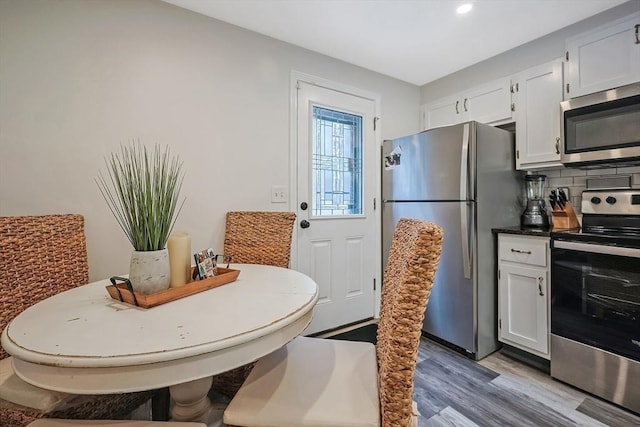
<point>297,76</point>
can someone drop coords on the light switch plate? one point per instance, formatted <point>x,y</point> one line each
<point>278,194</point>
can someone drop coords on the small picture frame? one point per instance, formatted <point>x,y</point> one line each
<point>205,263</point>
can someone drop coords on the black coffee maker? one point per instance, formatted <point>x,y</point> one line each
<point>535,215</point>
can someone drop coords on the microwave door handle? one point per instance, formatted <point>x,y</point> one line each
<point>464,208</point>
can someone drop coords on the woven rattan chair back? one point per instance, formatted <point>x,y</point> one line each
<point>40,256</point>
<point>254,238</point>
<point>259,237</point>
<point>408,279</point>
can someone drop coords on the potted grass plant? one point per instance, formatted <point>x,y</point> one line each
<point>142,188</point>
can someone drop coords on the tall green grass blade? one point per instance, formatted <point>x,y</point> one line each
<point>142,191</point>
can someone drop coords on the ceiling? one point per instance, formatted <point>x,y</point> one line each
<point>416,41</point>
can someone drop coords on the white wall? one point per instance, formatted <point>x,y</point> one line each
<point>534,53</point>
<point>78,78</point>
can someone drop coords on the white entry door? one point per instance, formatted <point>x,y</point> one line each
<point>337,230</point>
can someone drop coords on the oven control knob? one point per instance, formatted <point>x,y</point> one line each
<point>611,200</point>
<point>595,200</point>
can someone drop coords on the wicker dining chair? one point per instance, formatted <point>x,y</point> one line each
<point>41,256</point>
<point>254,238</point>
<point>313,381</point>
<point>259,237</point>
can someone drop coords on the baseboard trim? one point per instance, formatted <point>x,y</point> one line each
<point>527,358</point>
<point>345,328</point>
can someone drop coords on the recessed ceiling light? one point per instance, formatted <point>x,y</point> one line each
<point>464,8</point>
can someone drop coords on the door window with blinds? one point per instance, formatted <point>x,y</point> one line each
<point>336,163</point>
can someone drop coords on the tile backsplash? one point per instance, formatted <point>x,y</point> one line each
<point>576,179</point>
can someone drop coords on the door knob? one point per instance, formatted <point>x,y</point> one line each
<point>304,224</point>
<point>304,206</point>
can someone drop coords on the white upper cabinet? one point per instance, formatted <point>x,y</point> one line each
<point>603,58</point>
<point>443,112</point>
<point>537,96</point>
<point>489,103</point>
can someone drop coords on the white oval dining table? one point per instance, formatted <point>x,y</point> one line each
<point>84,342</point>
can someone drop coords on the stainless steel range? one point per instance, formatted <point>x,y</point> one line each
<point>595,298</point>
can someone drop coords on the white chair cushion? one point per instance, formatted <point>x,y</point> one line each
<point>16,391</point>
<point>310,382</point>
<point>415,414</point>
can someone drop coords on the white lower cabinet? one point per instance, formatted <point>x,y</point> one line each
<point>523,293</point>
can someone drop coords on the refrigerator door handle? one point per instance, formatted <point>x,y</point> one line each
<point>464,209</point>
<point>464,163</point>
<point>464,233</point>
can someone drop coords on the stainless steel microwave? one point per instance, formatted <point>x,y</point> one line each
<point>602,129</point>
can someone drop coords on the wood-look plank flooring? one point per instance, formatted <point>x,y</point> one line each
<point>452,390</point>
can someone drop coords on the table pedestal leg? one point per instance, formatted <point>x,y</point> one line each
<point>191,402</point>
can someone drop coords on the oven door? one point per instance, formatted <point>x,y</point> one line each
<point>595,296</point>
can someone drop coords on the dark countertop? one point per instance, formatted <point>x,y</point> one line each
<point>542,232</point>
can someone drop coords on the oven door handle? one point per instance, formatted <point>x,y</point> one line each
<point>626,283</point>
<point>599,249</point>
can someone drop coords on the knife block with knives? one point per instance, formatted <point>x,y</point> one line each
<point>563,215</point>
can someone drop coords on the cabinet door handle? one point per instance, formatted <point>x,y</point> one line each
<point>521,252</point>
<point>540,286</point>
<point>457,103</point>
<point>465,104</point>
<point>637,30</point>
<point>557,145</point>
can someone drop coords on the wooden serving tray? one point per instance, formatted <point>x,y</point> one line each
<point>120,292</point>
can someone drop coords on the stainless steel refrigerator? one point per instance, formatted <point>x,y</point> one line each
<point>462,178</point>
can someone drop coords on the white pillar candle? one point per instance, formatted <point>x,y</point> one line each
<point>179,246</point>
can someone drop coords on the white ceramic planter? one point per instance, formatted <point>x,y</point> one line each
<point>149,272</point>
